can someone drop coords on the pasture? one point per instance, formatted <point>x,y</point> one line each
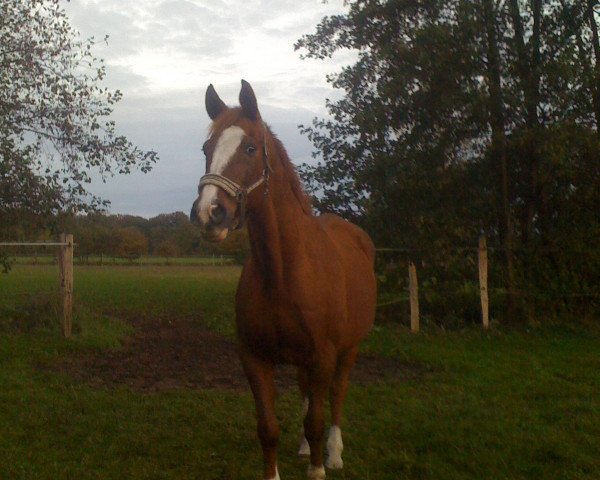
<point>468,404</point>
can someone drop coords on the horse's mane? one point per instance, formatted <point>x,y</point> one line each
<point>291,174</point>
<point>235,115</point>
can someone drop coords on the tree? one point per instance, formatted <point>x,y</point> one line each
<point>167,248</point>
<point>173,228</point>
<point>54,115</point>
<point>448,124</point>
<point>131,242</point>
<point>411,124</point>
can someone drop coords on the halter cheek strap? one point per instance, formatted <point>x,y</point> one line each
<point>237,191</point>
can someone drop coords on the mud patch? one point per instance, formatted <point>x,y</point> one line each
<point>180,354</point>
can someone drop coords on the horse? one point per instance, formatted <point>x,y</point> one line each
<point>307,292</point>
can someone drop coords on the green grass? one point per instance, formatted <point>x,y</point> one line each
<point>205,291</point>
<point>509,404</point>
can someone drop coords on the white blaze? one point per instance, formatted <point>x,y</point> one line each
<point>227,145</point>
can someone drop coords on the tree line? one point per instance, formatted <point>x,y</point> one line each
<point>165,235</point>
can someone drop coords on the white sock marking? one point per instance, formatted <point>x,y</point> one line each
<point>334,448</point>
<point>316,473</point>
<point>276,477</point>
<point>304,450</point>
<point>305,407</point>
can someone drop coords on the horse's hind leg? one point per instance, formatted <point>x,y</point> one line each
<point>260,376</point>
<point>304,449</point>
<point>339,387</point>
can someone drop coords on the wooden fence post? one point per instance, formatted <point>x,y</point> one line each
<point>483,281</point>
<point>413,287</point>
<point>66,282</point>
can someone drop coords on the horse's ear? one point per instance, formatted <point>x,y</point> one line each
<point>214,105</point>
<point>248,101</point>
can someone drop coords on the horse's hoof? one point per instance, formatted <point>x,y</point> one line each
<point>316,473</point>
<point>334,463</point>
<point>304,450</point>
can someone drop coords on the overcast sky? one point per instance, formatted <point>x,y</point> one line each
<point>162,54</point>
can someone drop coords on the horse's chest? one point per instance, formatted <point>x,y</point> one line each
<point>280,332</point>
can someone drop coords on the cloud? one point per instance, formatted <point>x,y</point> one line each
<point>162,54</point>
<point>175,124</point>
<point>123,78</point>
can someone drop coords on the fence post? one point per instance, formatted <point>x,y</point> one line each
<point>66,282</point>
<point>483,281</point>
<point>413,287</point>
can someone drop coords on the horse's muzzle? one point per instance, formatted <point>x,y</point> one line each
<point>217,227</point>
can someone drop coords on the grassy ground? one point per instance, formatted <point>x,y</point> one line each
<point>510,404</point>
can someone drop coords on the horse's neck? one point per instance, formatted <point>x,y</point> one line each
<point>277,229</point>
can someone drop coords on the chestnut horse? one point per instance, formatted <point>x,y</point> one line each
<point>307,292</point>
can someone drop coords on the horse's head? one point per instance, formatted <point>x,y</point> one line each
<point>236,164</point>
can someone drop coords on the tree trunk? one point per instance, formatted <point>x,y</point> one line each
<point>595,86</point>
<point>498,149</point>
<point>528,67</point>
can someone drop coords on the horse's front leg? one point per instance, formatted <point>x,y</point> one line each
<point>260,377</point>
<point>319,378</point>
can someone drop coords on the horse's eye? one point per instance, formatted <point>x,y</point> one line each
<point>250,150</point>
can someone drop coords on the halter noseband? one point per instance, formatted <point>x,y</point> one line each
<point>237,191</point>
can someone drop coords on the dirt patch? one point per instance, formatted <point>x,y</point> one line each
<point>175,354</point>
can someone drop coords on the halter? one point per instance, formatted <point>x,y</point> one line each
<point>237,191</point>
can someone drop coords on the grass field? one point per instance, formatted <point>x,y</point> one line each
<point>509,404</point>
